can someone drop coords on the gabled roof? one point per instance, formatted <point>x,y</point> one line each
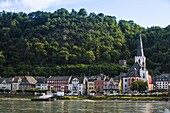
<point>167,75</point>
<point>116,78</point>
<point>137,66</point>
<point>28,80</point>
<point>31,79</point>
<point>41,79</point>
<point>59,78</point>
<point>81,79</point>
<point>161,77</point>
<point>5,80</point>
<point>100,77</point>
<point>17,78</point>
<point>134,70</point>
<point>107,78</point>
<point>1,79</point>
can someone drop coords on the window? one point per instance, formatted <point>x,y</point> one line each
<point>125,80</point>
<point>143,76</point>
<point>143,63</point>
<point>132,79</point>
<point>125,85</point>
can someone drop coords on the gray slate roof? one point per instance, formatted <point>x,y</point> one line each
<point>162,77</point>
<point>58,78</point>
<point>6,80</point>
<point>134,70</point>
<point>40,80</point>
<point>167,75</point>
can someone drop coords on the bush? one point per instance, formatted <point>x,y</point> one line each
<point>98,98</point>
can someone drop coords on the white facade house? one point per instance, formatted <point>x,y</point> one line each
<point>111,86</point>
<point>15,83</point>
<point>41,83</point>
<point>77,86</point>
<point>6,83</point>
<point>41,86</point>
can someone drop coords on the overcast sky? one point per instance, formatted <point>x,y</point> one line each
<point>146,13</point>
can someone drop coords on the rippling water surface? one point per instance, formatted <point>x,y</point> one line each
<point>59,106</point>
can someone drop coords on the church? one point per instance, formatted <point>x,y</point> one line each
<point>138,71</point>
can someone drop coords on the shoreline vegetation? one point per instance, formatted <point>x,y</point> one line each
<point>107,98</point>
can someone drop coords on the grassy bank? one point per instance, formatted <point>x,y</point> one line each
<point>16,96</point>
<point>125,97</point>
<point>115,98</point>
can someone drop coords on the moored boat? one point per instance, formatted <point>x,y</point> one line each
<point>48,97</point>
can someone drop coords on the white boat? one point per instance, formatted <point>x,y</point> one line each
<point>45,97</point>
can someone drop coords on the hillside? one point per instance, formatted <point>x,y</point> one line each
<point>68,43</point>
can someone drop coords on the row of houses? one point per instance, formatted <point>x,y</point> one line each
<point>75,85</point>
<point>101,84</point>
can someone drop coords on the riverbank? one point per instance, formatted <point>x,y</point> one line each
<point>114,98</point>
<point>17,96</point>
<point>125,97</point>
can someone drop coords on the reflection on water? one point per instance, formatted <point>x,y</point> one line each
<point>25,106</point>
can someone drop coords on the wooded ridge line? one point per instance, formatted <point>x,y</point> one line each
<point>77,43</point>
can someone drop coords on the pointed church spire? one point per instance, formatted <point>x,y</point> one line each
<point>140,47</point>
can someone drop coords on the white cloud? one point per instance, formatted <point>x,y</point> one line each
<point>33,5</point>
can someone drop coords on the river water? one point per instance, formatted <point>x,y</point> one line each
<point>65,106</point>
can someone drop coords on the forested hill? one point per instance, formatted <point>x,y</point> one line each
<point>76,43</point>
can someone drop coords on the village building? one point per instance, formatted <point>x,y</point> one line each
<point>111,86</point>
<point>59,83</point>
<point>138,71</point>
<point>99,83</point>
<point>78,85</point>
<point>161,82</point>
<point>90,85</point>
<point>27,83</point>
<point>41,83</point>
<point>6,83</point>
<point>16,82</point>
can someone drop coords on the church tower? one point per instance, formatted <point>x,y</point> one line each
<point>138,71</point>
<point>141,59</point>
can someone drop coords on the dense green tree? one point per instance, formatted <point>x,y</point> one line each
<point>139,85</point>
<point>63,42</point>
<point>82,12</point>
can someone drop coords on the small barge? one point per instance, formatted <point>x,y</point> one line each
<point>48,97</point>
